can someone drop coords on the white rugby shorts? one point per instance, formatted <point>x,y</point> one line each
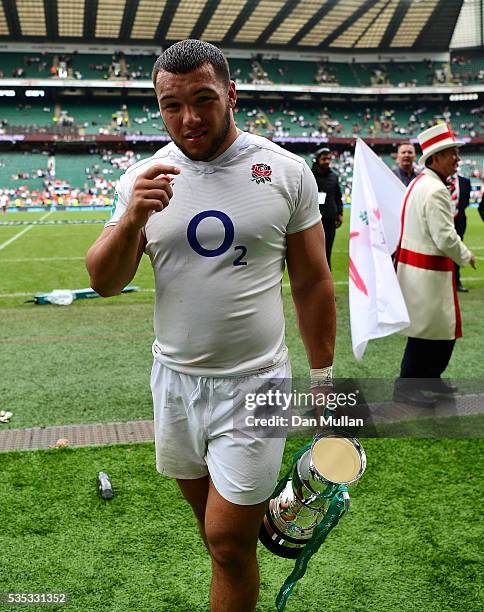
<point>197,435</point>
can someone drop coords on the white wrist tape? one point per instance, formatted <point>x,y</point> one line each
<point>321,377</point>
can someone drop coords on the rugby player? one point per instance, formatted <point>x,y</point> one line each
<point>220,212</point>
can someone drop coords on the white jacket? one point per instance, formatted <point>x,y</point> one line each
<point>424,259</point>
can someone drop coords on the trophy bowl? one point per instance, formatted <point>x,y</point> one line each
<point>302,504</point>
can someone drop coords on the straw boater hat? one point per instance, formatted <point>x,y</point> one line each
<point>435,139</point>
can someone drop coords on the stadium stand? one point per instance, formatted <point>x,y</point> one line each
<point>462,69</point>
<point>294,119</point>
<point>467,70</point>
<point>63,179</point>
<point>22,169</point>
<point>22,65</point>
<point>26,114</point>
<point>78,179</point>
<point>278,118</point>
<point>81,115</point>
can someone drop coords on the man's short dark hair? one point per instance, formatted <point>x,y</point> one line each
<point>322,151</point>
<point>429,161</point>
<point>405,144</point>
<point>188,55</point>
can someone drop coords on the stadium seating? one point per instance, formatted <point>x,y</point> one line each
<point>86,65</point>
<point>112,67</point>
<point>23,173</point>
<point>298,119</point>
<point>289,73</point>
<point>277,118</point>
<point>32,65</point>
<point>12,163</point>
<point>79,170</point>
<point>104,66</point>
<point>467,70</point>
<point>27,114</point>
<point>87,176</point>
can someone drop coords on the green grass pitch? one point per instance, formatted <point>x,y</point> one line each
<point>411,541</point>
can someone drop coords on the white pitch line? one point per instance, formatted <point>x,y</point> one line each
<point>31,293</point>
<point>288,285</point>
<point>22,232</point>
<point>285,285</point>
<point>148,290</point>
<point>23,259</point>
<point>470,279</point>
<point>466,279</point>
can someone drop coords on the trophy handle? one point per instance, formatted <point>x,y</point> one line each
<point>346,501</point>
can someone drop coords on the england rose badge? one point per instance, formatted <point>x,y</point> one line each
<point>261,173</point>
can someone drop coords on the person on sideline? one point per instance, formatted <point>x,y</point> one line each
<point>429,244</point>
<point>405,169</point>
<point>4,202</point>
<point>460,194</point>
<point>329,197</point>
<point>220,212</point>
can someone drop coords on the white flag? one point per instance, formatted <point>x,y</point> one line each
<point>377,307</point>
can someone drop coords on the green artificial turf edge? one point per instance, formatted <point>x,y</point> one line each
<point>412,539</point>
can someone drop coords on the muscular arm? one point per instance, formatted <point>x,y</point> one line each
<point>113,259</point>
<point>313,294</point>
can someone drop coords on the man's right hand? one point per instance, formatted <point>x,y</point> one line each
<point>151,193</point>
<point>473,261</point>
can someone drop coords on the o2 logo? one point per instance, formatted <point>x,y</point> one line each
<point>229,235</point>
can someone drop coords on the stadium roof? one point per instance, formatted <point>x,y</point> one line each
<point>306,25</point>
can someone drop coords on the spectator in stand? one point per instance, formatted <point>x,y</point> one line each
<point>323,74</point>
<point>460,193</point>
<point>329,196</point>
<point>4,201</point>
<point>405,169</point>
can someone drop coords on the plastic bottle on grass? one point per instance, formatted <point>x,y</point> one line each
<point>104,486</point>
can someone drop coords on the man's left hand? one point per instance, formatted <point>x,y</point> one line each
<point>339,221</point>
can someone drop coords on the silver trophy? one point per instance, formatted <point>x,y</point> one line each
<point>302,504</point>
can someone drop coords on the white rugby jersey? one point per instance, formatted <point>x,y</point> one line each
<point>218,253</point>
